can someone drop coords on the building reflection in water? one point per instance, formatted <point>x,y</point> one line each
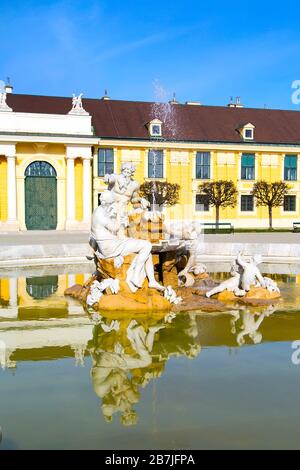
<point>37,322</point>
<point>128,354</point>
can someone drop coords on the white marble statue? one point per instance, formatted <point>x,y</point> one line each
<point>194,266</point>
<point>97,289</point>
<point>244,274</point>
<point>105,232</point>
<point>171,296</point>
<point>250,273</point>
<point>125,188</point>
<point>270,285</point>
<point>3,105</point>
<point>77,107</point>
<point>232,285</point>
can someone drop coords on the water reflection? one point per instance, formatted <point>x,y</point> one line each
<point>246,323</point>
<point>41,287</point>
<point>128,354</point>
<point>38,323</point>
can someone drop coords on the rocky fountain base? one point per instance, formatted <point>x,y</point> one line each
<point>190,287</point>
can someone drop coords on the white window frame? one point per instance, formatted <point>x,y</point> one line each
<point>147,178</point>
<point>114,163</point>
<point>248,129</point>
<point>298,169</point>
<point>295,212</point>
<point>212,154</point>
<point>245,213</point>
<point>256,155</point>
<point>240,204</point>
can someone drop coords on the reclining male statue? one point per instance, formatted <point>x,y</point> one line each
<point>107,236</point>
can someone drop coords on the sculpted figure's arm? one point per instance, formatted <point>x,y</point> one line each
<point>240,260</point>
<point>135,194</point>
<point>260,278</point>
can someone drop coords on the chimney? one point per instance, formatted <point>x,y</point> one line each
<point>237,103</point>
<point>105,97</point>
<point>173,100</point>
<point>8,88</point>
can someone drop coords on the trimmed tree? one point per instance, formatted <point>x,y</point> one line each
<point>219,194</point>
<point>160,193</point>
<point>270,195</point>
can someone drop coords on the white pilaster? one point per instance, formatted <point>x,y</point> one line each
<point>71,280</point>
<point>84,152</point>
<point>13,292</point>
<point>12,193</point>
<point>70,192</point>
<point>87,191</point>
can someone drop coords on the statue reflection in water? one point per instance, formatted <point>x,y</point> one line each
<point>128,353</point>
<point>246,322</point>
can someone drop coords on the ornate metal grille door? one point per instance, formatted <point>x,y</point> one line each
<point>40,197</point>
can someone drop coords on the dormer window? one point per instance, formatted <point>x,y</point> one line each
<point>246,131</point>
<point>248,134</point>
<point>155,128</point>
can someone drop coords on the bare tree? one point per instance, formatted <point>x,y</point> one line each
<point>270,195</point>
<point>220,193</point>
<point>160,193</point>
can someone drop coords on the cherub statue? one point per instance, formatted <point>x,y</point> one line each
<point>232,284</point>
<point>250,273</point>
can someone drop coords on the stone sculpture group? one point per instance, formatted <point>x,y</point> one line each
<point>126,276</point>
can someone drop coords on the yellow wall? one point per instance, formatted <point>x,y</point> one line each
<point>3,189</point>
<point>78,189</point>
<point>225,164</point>
<point>4,290</point>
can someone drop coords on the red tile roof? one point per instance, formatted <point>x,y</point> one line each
<point>128,119</point>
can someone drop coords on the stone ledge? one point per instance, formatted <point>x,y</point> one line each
<point>75,253</point>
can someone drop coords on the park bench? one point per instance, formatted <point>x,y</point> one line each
<point>296,226</point>
<point>220,227</point>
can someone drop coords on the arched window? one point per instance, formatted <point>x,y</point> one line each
<point>40,169</point>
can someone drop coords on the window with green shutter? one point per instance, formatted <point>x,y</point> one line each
<point>248,166</point>
<point>290,168</point>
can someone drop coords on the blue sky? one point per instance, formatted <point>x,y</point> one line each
<point>143,50</point>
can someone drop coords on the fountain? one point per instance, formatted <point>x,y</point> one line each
<point>141,271</point>
<point>143,264</point>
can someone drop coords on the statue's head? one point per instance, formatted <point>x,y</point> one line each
<point>128,169</point>
<point>107,198</point>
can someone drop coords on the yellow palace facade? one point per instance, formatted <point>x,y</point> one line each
<point>54,153</point>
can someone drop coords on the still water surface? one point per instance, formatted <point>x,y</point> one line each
<point>69,380</point>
